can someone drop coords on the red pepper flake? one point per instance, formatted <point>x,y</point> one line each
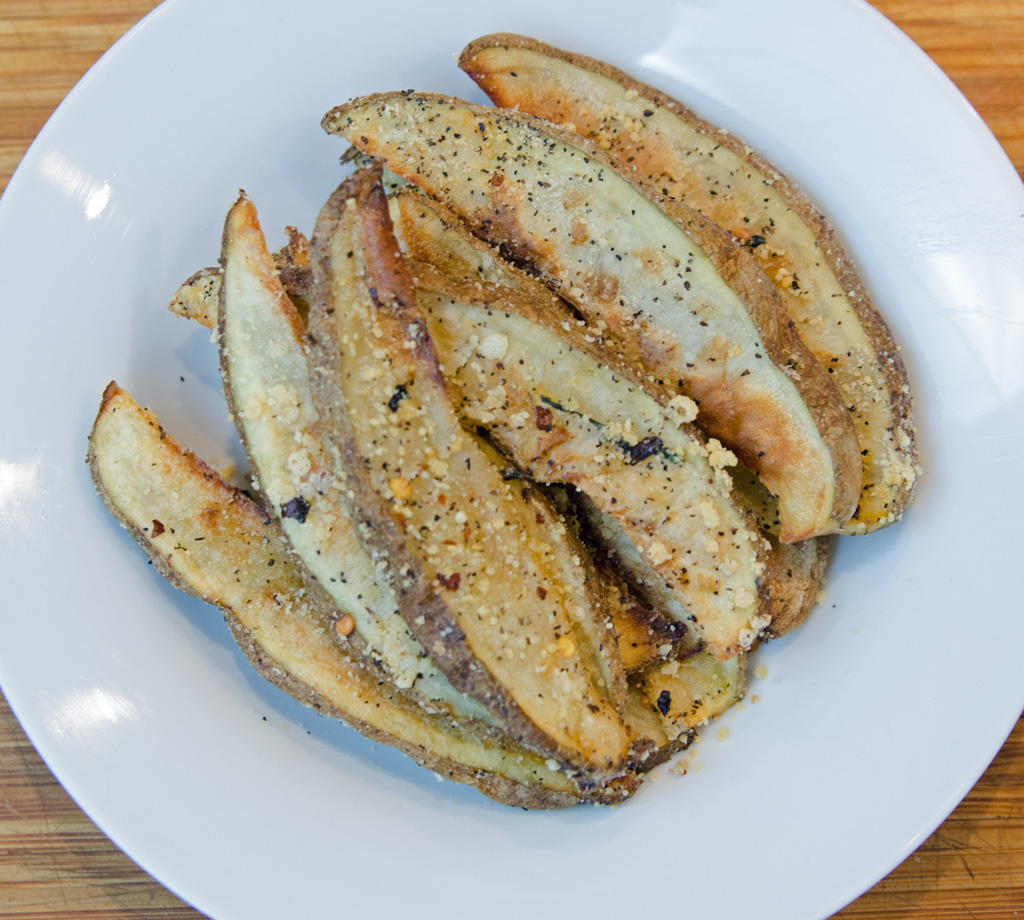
<point>544,417</point>
<point>158,528</point>
<point>542,593</point>
<point>451,582</point>
<point>497,179</point>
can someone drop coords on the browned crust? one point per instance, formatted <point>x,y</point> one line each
<point>875,327</point>
<point>741,272</point>
<point>292,262</point>
<point>498,787</point>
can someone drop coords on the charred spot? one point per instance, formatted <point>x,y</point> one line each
<point>509,473</point>
<point>400,393</point>
<point>296,509</point>
<point>756,240</point>
<point>511,254</point>
<point>642,449</point>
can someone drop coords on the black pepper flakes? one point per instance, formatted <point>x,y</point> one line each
<point>643,449</point>
<point>400,393</point>
<point>296,509</point>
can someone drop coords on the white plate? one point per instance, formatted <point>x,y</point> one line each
<point>874,720</point>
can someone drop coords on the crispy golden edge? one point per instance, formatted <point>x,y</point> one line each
<point>889,360</point>
<point>271,621</point>
<point>391,289</point>
<point>741,272</point>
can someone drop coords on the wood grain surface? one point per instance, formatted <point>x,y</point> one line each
<point>54,863</point>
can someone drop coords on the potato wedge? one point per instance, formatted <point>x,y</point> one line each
<point>213,542</point>
<point>692,307</point>
<point>475,569</point>
<point>262,344</point>
<point>685,157</point>
<point>197,297</point>
<point>523,373</point>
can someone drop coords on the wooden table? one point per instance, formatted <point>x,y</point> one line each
<point>55,863</point>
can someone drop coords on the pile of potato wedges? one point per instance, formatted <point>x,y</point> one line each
<point>552,417</point>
